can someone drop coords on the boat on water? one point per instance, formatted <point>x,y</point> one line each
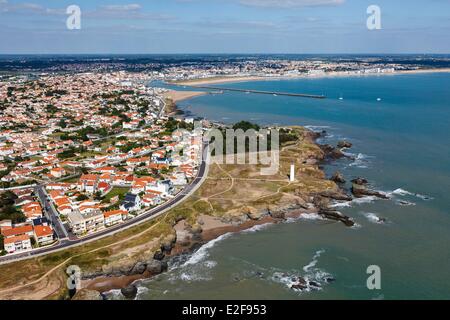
<point>378,99</point>
<point>275,95</point>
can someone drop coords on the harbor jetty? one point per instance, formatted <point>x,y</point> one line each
<point>274,93</point>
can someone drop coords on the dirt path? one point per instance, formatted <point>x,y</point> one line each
<point>8,290</point>
<point>231,186</point>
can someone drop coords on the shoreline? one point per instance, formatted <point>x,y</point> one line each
<point>177,96</point>
<point>188,241</point>
<point>210,232</point>
<point>223,80</point>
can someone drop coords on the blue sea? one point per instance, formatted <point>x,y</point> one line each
<point>399,125</point>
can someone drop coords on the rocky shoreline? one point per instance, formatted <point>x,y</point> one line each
<point>188,238</point>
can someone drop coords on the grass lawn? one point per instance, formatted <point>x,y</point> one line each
<point>117,191</point>
<point>71,180</point>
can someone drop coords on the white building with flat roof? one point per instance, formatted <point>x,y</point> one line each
<point>86,223</point>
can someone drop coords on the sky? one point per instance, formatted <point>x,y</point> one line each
<point>224,26</point>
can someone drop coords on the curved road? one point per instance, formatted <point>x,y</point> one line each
<point>146,216</point>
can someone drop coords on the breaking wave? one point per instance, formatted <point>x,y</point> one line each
<point>202,252</point>
<point>313,261</point>
<point>317,128</point>
<point>373,217</point>
<point>257,228</point>
<point>403,192</point>
<point>356,201</point>
<point>312,279</point>
<point>360,160</point>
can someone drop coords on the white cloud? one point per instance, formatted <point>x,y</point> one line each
<point>125,7</point>
<point>290,3</point>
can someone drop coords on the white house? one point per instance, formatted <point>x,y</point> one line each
<point>114,217</point>
<point>17,243</point>
<point>43,235</point>
<point>163,187</point>
<point>132,202</point>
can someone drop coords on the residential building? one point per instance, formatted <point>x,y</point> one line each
<point>17,243</point>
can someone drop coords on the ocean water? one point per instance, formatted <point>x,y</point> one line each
<point>401,145</point>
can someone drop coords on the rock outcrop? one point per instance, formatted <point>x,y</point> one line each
<point>168,243</point>
<point>276,213</point>
<point>344,144</point>
<point>159,255</point>
<point>154,267</point>
<point>331,152</point>
<point>338,177</point>
<point>359,189</point>
<point>129,292</point>
<point>139,268</point>
<point>337,216</point>
<point>336,195</point>
<point>85,294</point>
<point>252,213</point>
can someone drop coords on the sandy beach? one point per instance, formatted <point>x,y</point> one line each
<point>177,96</point>
<point>217,80</point>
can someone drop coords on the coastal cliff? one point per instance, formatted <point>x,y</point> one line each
<point>233,198</point>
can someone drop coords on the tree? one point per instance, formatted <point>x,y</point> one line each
<point>98,195</point>
<point>7,198</point>
<point>69,153</point>
<point>245,125</point>
<point>82,197</point>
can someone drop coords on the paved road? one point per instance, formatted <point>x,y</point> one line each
<point>51,212</point>
<point>65,243</point>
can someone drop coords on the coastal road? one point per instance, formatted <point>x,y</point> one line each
<point>66,243</point>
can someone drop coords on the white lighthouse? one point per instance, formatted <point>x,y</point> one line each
<point>292,175</point>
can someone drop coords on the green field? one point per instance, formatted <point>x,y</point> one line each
<point>116,191</point>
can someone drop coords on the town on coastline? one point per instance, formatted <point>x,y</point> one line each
<point>84,152</point>
<point>90,154</point>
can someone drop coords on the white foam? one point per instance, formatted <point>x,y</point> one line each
<point>311,216</point>
<point>202,252</point>
<point>372,217</point>
<point>113,294</point>
<point>405,203</point>
<point>313,261</point>
<point>140,291</point>
<point>364,200</point>
<point>346,204</point>
<point>193,276</point>
<point>356,226</point>
<point>360,160</point>
<point>403,192</point>
<point>315,128</point>
<point>356,201</point>
<point>314,277</point>
<point>210,264</point>
<point>257,228</point>
<point>424,197</point>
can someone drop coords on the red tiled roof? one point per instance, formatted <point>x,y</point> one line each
<point>17,231</point>
<point>43,231</point>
